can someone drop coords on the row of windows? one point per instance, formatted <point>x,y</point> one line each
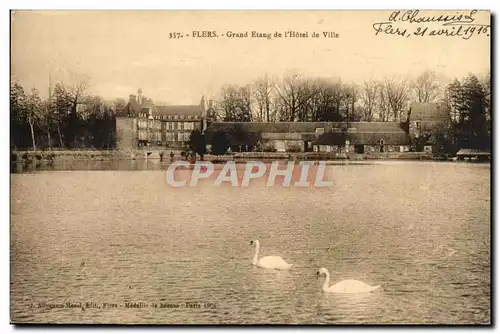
<point>169,136</point>
<point>146,115</point>
<point>142,123</point>
<point>336,130</point>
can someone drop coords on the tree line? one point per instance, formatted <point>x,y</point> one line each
<point>71,117</point>
<point>296,98</point>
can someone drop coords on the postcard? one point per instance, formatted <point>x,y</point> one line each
<point>250,167</point>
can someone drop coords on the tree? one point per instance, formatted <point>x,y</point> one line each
<point>46,121</point>
<point>197,143</point>
<point>220,143</point>
<point>295,93</point>
<point>234,104</point>
<point>350,98</point>
<point>426,87</point>
<point>368,96</point>
<point>18,105</point>
<point>33,112</point>
<point>61,103</point>
<point>455,100</point>
<point>396,96</point>
<point>486,83</point>
<point>119,106</point>
<point>69,97</point>
<point>327,100</point>
<point>469,104</point>
<point>475,119</point>
<point>263,94</point>
<point>383,104</point>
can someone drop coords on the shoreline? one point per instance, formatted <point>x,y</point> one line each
<point>164,155</point>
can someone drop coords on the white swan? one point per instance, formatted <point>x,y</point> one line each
<point>268,262</point>
<point>347,286</point>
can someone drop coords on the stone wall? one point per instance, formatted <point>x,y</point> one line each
<point>126,133</point>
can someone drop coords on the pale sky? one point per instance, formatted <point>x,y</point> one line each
<point>121,51</point>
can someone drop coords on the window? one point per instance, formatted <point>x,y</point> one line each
<point>188,126</point>
<point>417,124</point>
<point>181,126</point>
<point>170,136</point>
<point>183,136</point>
<point>320,131</point>
<point>170,125</point>
<point>176,117</point>
<point>143,135</point>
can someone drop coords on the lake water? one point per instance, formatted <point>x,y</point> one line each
<point>117,236</point>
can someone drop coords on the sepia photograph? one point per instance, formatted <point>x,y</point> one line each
<point>279,167</point>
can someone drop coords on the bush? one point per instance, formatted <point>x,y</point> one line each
<point>293,149</point>
<point>269,149</point>
<point>197,143</point>
<point>220,143</point>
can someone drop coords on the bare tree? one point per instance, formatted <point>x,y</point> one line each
<point>383,105</point>
<point>33,112</point>
<point>289,91</point>
<point>397,95</point>
<point>368,97</point>
<point>47,120</point>
<point>263,89</point>
<point>350,95</point>
<point>234,104</point>
<point>426,87</point>
<point>75,93</point>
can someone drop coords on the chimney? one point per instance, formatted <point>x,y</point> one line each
<point>202,102</point>
<point>139,96</point>
<point>210,108</point>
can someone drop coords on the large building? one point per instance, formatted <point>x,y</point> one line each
<point>148,125</point>
<point>430,126</point>
<point>145,124</point>
<point>359,137</point>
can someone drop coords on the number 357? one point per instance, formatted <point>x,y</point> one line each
<point>175,35</point>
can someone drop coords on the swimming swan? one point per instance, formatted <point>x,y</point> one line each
<point>347,286</point>
<point>268,262</point>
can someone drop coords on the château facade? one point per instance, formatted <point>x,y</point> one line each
<point>145,124</point>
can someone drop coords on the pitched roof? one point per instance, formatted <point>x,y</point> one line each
<point>302,127</point>
<point>364,138</point>
<point>133,107</point>
<point>430,112</point>
<point>368,133</point>
<point>179,110</point>
<point>472,152</point>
